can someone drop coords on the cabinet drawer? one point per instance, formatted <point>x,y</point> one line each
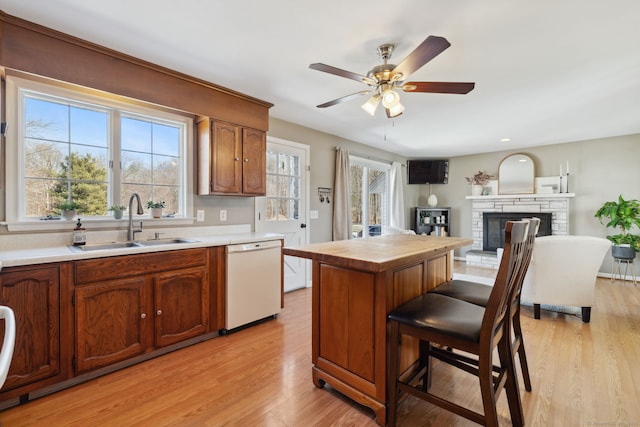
<point>93,270</point>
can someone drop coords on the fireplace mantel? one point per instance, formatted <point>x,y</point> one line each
<point>523,196</point>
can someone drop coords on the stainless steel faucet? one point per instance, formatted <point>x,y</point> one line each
<point>131,231</point>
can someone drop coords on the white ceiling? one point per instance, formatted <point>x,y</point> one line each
<point>546,71</point>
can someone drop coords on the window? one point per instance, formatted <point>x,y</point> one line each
<point>91,150</point>
<point>283,186</point>
<point>369,196</point>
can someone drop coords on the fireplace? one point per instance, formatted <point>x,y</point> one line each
<point>493,224</point>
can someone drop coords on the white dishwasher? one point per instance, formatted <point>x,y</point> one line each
<point>254,278</point>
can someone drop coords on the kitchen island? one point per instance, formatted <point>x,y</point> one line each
<point>356,283</point>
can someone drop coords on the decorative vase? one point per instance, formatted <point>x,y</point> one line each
<point>432,201</point>
<point>69,214</point>
<point>476,190</point>
<point>117,214</point>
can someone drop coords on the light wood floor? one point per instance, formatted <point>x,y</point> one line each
<point>583,374</point>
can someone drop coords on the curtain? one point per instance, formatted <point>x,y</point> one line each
<point>342,196</point>
<point>396,198</point>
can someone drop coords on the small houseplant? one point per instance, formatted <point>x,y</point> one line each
<point>68,209</point>
<point>622,215</point>
<point>478,181</point>
<point>155,208</point>
<point>118,210</point>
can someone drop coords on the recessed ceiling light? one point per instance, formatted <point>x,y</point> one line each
<point>505,139</point>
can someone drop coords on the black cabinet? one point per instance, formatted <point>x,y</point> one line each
<point>432,221</point>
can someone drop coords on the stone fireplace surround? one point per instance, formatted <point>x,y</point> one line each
<point>556,203</point>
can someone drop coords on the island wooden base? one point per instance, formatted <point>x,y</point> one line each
<point>356,284</point>
<point>321,378</point>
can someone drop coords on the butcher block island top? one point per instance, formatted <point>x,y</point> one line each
<point>356,283</point>
<point>378,253</point>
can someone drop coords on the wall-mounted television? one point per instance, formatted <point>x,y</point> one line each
<point>428,171</point>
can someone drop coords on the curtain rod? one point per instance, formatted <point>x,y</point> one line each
<point>377,159</point>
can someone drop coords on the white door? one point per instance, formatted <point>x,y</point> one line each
<point>284,209</point>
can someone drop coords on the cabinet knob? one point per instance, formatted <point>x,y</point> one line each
<point>246,160</point>
<point>236,158</point>
<point>143,315</point>
<point>159,312</point>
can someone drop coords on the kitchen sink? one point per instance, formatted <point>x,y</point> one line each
<point>136,244</point>
<point>169,241</point>
<point>104,246</point>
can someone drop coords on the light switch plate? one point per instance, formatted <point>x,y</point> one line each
<point>200,215</point>
<point>313,214</point>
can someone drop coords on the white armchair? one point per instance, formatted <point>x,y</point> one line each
<point>563,272</point>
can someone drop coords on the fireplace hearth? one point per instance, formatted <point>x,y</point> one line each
<point>493,224</point>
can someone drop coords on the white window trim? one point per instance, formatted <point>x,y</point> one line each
<point>14,185</point>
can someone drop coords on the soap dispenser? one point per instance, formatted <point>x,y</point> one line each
<point>79,235</point>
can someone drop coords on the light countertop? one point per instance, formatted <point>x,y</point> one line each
<point>199,238</point>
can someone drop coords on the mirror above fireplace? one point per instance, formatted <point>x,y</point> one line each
<point>516,175</point>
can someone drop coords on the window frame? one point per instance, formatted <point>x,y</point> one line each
<point>14,153</point>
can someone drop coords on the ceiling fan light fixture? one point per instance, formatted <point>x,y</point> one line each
<point>371,104</point>
<point>395,111</point>
<point>390,98</point>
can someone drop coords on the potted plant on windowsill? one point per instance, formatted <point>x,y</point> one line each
<point>622,215</point>
<point>155,208</point>
<point>68,210</point>
<point>118,211</point>
<point>478,181</point>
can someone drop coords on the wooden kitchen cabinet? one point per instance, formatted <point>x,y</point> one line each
<point>111,322</point>
<point>130,305</point>
<point>41,355</point>
<point>231,159</point>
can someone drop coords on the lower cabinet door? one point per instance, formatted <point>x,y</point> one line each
<point>33,295</point>
<point>181,303</point>
<point>113,320</point>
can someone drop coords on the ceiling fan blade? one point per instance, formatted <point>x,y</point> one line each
<point>438,87</point>
<point>343,99</point>
<point>342,73</point>
<point>431,47</point>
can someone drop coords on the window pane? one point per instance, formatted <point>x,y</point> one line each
<point>165,170</point>
<point>166,139</point>
<point>58,171</point>
<point>272,162</point>
<point>136,167</point>
<point>89,127</point>
<point>135,134</point>
<point>46,120</point>
<point>271,209</point>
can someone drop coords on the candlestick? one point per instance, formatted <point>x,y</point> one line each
<point>560,169</point>
<point>567,167</point>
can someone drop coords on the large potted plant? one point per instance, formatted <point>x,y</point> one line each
<point>622,215</point>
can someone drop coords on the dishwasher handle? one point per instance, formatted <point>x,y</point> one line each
<point>255,246</point>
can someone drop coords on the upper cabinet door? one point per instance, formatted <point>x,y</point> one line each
<point>226,164</point>
<point>254,154</point>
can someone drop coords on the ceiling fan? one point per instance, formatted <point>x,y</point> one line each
<point>385,78</point>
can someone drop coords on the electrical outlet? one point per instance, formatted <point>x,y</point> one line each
<point>223,215</point>
<point>200,215</point>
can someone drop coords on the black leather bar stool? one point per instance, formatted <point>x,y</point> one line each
<point>477,293</point>
<point>444,325</point>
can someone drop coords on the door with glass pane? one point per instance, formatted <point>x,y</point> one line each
<point>284,209</point>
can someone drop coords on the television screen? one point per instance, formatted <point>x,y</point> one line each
<point>428,171</point>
